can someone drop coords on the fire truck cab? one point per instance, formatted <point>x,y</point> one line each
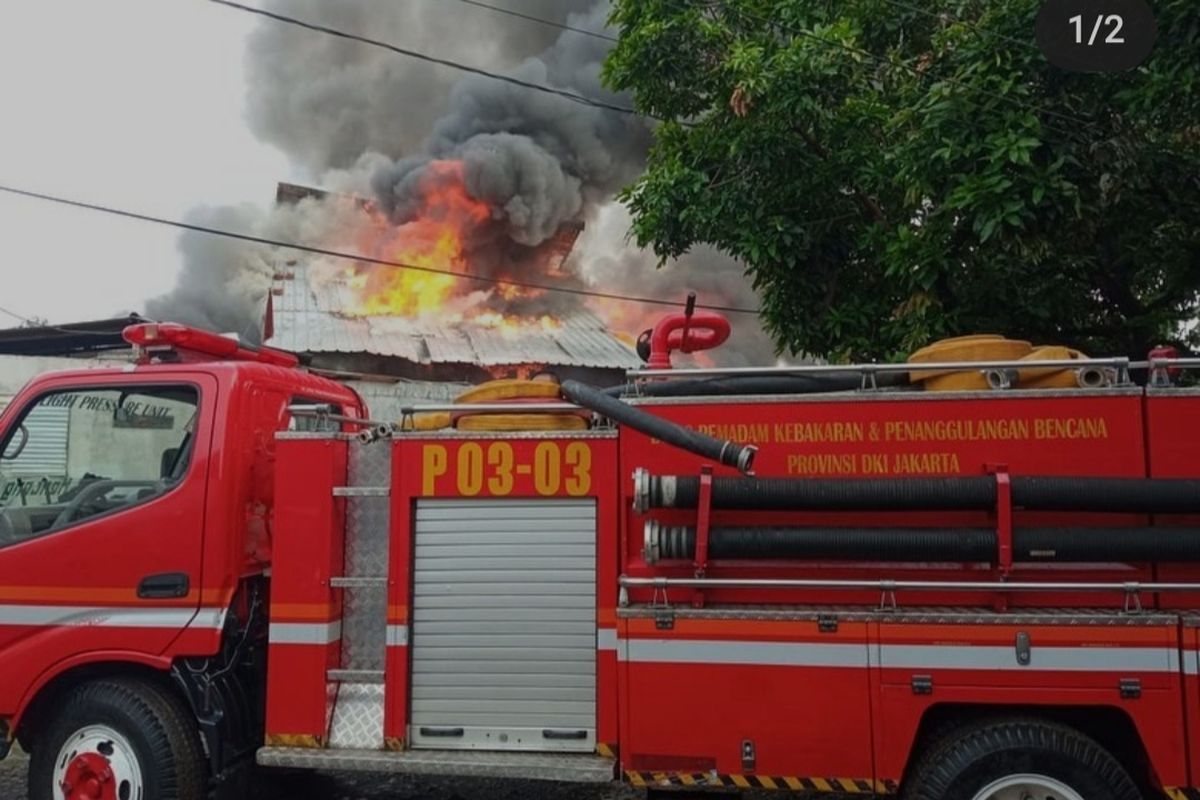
<point>814,579</point>
<point>135,540</point>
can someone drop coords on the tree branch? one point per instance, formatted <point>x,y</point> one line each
<point>869,207</point>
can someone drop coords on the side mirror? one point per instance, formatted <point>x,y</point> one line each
<point>16,445</point>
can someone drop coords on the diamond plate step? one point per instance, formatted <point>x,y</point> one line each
<point>566,767</point>
<point>361,491</point>
<point>357,717</point>
<point>355,582</point>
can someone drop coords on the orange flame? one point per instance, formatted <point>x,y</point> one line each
<point>433,240</point>
<point>437,238</point>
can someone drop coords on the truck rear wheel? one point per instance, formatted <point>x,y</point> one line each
<point>118,740</point>
<point>1019,760</point>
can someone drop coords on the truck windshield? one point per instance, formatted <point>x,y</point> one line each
<point>89,452</point>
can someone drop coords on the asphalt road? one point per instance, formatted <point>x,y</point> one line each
<point>338,786</point>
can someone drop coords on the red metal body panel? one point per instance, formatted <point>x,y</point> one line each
<point>306,612</point>
<point>696,692</point>
<point>770,674</point>
<point>976,664</point>
<point>1173,441</point>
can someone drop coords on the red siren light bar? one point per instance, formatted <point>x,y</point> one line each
<point>172,335</point>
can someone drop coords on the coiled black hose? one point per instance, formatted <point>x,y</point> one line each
<point>970,545</point>
<point>1134,495</point>
<point>828,494</point>
<point>1109,495</point>
<point>726,452</point>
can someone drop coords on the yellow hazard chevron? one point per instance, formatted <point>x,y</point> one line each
<point>785,782</point>
<point>295,740</point>
<point>1182,793</point>
<point>606,750</point>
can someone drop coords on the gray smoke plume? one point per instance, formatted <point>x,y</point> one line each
<point>716,279</point>
<point>325,101</point>
<point>223,285</point>
<point>362,119</point>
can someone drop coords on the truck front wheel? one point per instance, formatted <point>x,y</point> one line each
<point>118,740</point>
<point>1016,760</point>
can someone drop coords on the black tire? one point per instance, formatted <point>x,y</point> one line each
<point>160,732</point>
<point>966,761</point>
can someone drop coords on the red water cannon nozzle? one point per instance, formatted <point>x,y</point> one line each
<point>687,332</point>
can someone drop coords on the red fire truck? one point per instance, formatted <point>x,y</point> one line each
<point>815,579</point>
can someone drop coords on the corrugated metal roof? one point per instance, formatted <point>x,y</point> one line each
<point>310,318</point>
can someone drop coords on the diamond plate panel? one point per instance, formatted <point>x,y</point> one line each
<point>364,628</point>
<point>358,718</point>
<point>366,537</point>
<point>370,464</point>
<point>571,768</point>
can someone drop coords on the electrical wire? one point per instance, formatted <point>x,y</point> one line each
<point>15,315</point>
<point>566,94</point>
<point>324,251</point>
<point>858,51</point>
<point>540,20</point>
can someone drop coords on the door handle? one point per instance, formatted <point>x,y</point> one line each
<point>449,733</point>
<point>164,586</point>
<point>550,733</point>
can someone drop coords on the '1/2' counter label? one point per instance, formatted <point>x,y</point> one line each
<point>497,469</point>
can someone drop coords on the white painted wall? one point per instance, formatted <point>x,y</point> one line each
<point>16,371</point>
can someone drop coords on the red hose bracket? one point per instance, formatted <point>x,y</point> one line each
<point>1004,523</point>
<point>703,522</point>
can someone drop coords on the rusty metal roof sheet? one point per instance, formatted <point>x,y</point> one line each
<point>310,317</point>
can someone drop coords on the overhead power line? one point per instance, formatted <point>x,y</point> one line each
<point>324,251</point>
<point>540,20</point>
<point>15,315</point>
<point>566,94</point>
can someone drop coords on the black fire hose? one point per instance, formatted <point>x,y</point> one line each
<point>969,545</point>
<point>758,385</point>
<point>1107,495</point>
<point>726,452</point>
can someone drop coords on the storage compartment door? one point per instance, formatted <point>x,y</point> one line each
<point>504,625</point>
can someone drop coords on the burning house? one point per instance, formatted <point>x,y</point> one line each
<point>423,332</point>
<point>478,185</point>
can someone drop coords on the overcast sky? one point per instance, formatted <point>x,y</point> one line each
<point>135,103</point>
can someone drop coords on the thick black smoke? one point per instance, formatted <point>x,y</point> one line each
<point>540,159</point>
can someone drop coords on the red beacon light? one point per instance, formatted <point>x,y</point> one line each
<point>152,336</point>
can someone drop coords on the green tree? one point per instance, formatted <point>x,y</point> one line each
<point>894,171</point>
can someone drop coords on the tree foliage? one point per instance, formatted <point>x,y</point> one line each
<point>894,171</point>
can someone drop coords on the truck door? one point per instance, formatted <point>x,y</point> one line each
<point>102,491</point>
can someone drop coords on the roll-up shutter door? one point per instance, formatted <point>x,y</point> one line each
<point>504,625</point>
<point>45,453</point>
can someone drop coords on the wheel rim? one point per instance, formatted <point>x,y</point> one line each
<point>1028,787</point>
<point>97,763</point>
